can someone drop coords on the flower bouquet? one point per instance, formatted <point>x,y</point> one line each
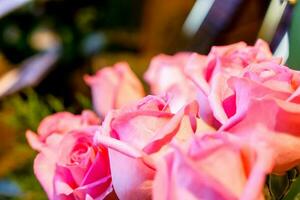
<point>213,127</point>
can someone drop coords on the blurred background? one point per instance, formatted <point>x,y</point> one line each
<point>46,46</point>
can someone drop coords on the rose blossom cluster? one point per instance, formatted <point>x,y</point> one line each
<point>213,128</point>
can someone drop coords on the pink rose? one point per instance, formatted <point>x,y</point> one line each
<point>226,62</point>
<point>187,76</point>
<point>268,76</point>
<point>261,92</point>
<point>65,165</point>
<point>82,169</point>
<point>238,56</point>
<point>139,134</point>
<point>258,83</point>
<point>167,74</point>
<point>114,87</point>
<point>265,94</point>
<point>267,83</point>
<point>212,167</point>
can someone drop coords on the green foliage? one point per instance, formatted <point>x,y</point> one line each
<point>294,191</point>
<point>294,58</point>
<point>283,187</point>
<point>83,101</point>
<point>26,110</point>
<point>278,185</point>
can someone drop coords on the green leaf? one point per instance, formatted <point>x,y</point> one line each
<point>278,185</point>
<point>294,192</point>
<point>56,104</point>
<point>83,101</point>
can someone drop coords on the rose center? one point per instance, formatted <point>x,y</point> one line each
<point>79,153</point>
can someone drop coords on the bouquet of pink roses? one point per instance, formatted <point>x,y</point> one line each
<point>213,128</point>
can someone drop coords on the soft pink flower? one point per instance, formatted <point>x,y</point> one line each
<point>139,134</point>
<point>187,76</point>
<point>234,57</point>
<point>254,91</point>
<point>226,62</point>
<point>114,87</point>
<point>248,88</point>
<point>82,169</point>
<point>254,81</point>
<point>166,74</point>
<point>65,165</point>
<point>213,167</point>
<point>266,95</point>
<point>257,83</point>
